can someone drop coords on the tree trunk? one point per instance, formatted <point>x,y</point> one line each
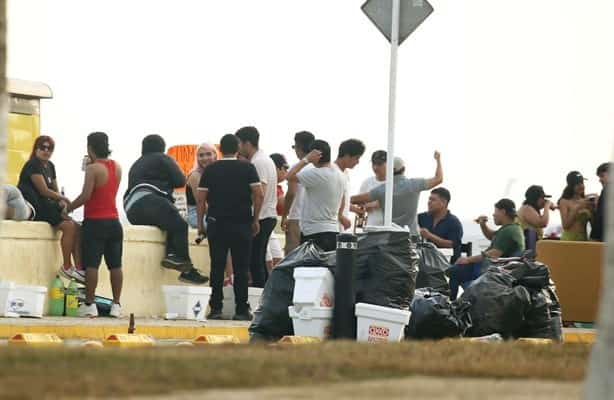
<point>600,381</point>
<point>3,99</point>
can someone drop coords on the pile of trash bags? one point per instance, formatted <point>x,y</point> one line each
<point>385,275</point>
<point>432,268</point>
<point>514,298</point>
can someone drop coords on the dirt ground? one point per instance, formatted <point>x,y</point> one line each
<point>415,388</point>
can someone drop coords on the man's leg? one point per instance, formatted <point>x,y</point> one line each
<point>240,249</point>
<point>460,274</point>
<point>258,261</point>
<point>113,257</point>
<point>218,249</point>
<point>293,236</point>
<point>92,251</point>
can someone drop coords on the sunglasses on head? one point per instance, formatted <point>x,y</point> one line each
<point>45,147</point>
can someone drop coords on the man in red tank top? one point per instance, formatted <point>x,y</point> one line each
<point>102,232</point>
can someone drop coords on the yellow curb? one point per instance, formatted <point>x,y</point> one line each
<point>35,339</point>
<point>579,337</point>
<point>103,331</point>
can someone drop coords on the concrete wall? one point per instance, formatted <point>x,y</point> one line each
<point>30,254</point>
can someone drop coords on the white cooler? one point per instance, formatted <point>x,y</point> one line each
<point>186,302</point>
<point>21,300</point>
<point>380,324</point>
<point>228,305</point>
<point>311,321</point>
<point>313,287</point>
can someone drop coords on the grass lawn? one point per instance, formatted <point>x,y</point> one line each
<point>67,372</point>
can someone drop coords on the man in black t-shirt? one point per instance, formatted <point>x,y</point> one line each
<point>598,223</point>
<point>228,188</point>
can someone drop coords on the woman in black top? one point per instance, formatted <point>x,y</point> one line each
<point>39,186</point>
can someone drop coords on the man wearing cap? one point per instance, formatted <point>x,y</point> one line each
<point>406,193</point>
<point>439,226</point>
<point>507,241</point>
<point>530,215</point>
<point>603,172</point>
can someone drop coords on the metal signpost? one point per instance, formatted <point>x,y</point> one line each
<point>396,20</point>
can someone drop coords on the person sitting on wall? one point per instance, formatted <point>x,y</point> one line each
<point>149,201</point>
<point>507,241</point>
<point>39,186</point>
<point>16,208</point>
<point>205,155</point>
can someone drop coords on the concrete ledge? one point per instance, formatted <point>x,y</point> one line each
<point>30,254</point>
<point>576,268</point>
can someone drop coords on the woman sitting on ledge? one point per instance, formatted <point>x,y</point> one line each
<point>39,186</point>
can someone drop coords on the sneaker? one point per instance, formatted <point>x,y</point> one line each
<point>243,316</point>
<point>73,273</point>
<point>171,261</point>
<point>116,311</point>
<point>90,311</point>
<point>193,276</point>
<point>215,314</point>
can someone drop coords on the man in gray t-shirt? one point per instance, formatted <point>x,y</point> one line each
<point>406,193</point>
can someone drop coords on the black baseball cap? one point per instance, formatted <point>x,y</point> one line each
<point>535,193</point>
<point>574,178</point>
<point>508,206</point>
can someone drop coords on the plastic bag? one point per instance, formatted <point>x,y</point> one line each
<point>385,275</point>
<point>433,316</point>
<point>432,267</point>
<point>543,319</point>
<point>497,305</point>
<point>528,273</point>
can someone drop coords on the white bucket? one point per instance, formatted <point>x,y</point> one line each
<point>21,300</point>
<point>380,324</point>
<point>311,321</point>
<point>314,287</point>
<point>187,302</point>
<point>228,305</point>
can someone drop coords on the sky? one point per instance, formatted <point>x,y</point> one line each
<point>512,92</point>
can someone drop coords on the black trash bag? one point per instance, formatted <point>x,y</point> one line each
<point>271,320</point>
<point>431,269</point>
<point>529,273</point>
<point>385,273</point>
<point>497,304</point>
<point>386,269</point>
<point>543,319</point>
<point>433,316</point>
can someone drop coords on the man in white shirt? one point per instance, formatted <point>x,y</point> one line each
<point>248,148</point>
<point>348,157</point>
<point>375,214</point>
<point>293,202</point>
<point>324,196</point>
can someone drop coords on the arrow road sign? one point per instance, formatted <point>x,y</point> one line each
<point>413,13</point>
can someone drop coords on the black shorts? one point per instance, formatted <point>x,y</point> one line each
<point>102,236</point>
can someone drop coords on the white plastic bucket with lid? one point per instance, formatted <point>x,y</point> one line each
<point>313,287</point>
<point>186,302</point>
<point>21,300</point>
<point>380,324</point>
<point>311,321</point>
<point>228,305</point>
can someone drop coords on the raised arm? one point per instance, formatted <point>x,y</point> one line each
<point>438,178</point>
<point>486,231</point>
<point>89,182</point>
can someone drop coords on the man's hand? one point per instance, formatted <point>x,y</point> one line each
<point>345,222</point>
<point>437,156</point>
<point>482,219</point>
<point>284,223</point>
<point>255,228</point>
<point>425,233</point>
<point>462,261</point>
<point>549,205</point>
<point>314,156</point>
<point>358,209</point>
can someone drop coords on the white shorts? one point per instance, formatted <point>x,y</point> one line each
<point>273,249</point>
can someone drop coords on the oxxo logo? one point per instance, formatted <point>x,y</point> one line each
<point>378,333</point>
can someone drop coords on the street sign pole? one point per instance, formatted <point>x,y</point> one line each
<point>394,47</point>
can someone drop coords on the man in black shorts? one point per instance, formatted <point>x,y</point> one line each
<point>228,188</point>
<point>101,231</point>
